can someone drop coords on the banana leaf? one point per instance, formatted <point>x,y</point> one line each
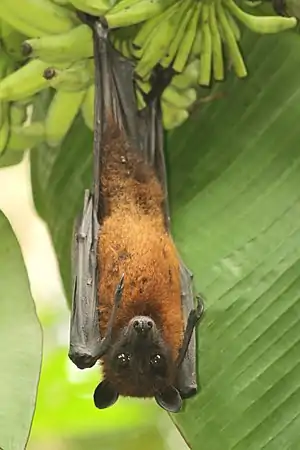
<point>234,177</point>
<point>20,345</point>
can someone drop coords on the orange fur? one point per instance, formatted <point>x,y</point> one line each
<point>134,241</point>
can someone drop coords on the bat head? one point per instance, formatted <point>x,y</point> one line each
<point>139,363</point>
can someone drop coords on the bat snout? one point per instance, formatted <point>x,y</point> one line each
<point>142,325</point>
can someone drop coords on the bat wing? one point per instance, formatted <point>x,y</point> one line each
<point>114,94</point>
<point>84,328</point>
<point>187,378</point>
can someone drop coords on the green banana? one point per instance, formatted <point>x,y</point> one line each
<point>71,46</point>
<point>197,44</point>
<point>61,2</point>
<point>179,99</point>
<point>5,65</point>
<point>17,113</point>
<point>217,53</point>
<point>76,77</point>
<point>206,49</point>
<point>143,85</point>
<point>87,107</point>
<point>24,82</point>
<point>93,7</point>
<point>157,47</point>
<point>147,28</point>
<point>121,35</point>
<point>36,18</point>
<point>190,36</point>
<point>11,41</point>
<point>186,12</point>
<point>233,25</point>
<point>188,78</point>
<point>26,137</point>
<point>60,115</point>
<point>5,128</point>
<point>234,51</point>
<point>128,13</point>
<point>258,24</point>
<point>172,117</point>
<point>140,100</point>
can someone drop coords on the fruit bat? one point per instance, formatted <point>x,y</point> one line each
<point>133,304</point>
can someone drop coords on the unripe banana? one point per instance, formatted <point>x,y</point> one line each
<point>185,13</point>
<point>147,29</point>
<point>26,137</point>
<point>173,117</point>
<point>156,48</point>
<point>93,7</point>
<point>71,46</point>
<point>262,25</point>
<point>197,44</point>
<point>140,101</point>
<point>61,113</point>
<point>5,127</point>
<point>190,36</point>
<point>61,2</point>
<point>77,77</point>
<point>217,53</point>
<point>128,13</point>
<point>234,51</point>
<point>233,25</point>
<point>36,18</point>
<point>11,41</point>
<point>206,49</point>
<point>143,85</point>
<point>188,78</point>
<point>17,113</point>
<point>179,99</point>
<point>87,107</point>
<point>24,82</point>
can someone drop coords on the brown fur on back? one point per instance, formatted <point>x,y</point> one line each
<point>133,241</point>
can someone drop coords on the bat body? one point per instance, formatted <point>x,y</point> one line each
<point>133,299</point>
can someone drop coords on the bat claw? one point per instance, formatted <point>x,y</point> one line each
<point>200,307</point>
<point>119,290</point>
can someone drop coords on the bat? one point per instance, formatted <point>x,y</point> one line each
<point>133,304</point>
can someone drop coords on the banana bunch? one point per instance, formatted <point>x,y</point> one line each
<point>15,133</point>
<point>174,32</point>
<point>46,46</point>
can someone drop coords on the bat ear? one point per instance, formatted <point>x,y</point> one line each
<point>169,399</point>
<point>105,395</point>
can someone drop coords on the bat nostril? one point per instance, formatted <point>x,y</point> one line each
<point>142,325</point>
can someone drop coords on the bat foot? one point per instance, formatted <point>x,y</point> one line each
<point>119,291</point>
<point>199,308</point>
<point>90,20</point>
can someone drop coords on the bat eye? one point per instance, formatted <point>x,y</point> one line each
<point>157,361</point>
<point>123,359</point>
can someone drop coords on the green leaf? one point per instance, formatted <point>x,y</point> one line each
<point>20,345</point>
<point>65,403</point>
<point>11,158</point>
<point>234,178</point>
<point>59,177</point>
<point>234,172</point>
